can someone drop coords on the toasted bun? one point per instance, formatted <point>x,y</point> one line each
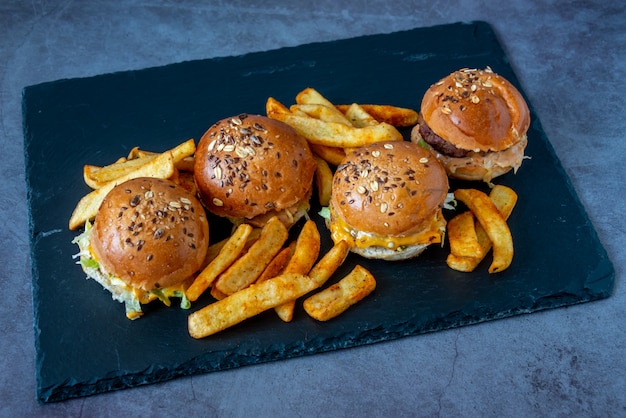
<point>248,166</point>
<point>388,195</point>
<point>476,110</point>
<point>151,233</point>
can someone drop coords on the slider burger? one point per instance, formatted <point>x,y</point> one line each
<point>475,122</point>
<point>386,200</point>
<point>148,238</point>
<point>250,168</point>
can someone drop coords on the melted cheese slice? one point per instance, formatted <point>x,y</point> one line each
<point>340,230</point>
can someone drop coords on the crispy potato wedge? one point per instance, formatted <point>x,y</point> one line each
<point>393,115</point>
<point>329,263</point>
<point>321,112</point>
<point>247,303</point>
<point>336,299</point>
<point>249,266</point>
<point>277,265</point>
<point>359,117</point>
<point>323,181</point>
<point>505,199</point>
<point>462,236</point>
<point>160,167</point>
<point>332,155</point>
<point>494,225</point>
<point>304,255</point>
<point>95,176</point>
<point>227,255</point>
<point>217,295</point>
<point>331,133</point>
<point>339,135</point>
<point>311,96</point>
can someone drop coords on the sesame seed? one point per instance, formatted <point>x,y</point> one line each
<point>388,146</point>
<point>217,202</point>
<point>423,160</point>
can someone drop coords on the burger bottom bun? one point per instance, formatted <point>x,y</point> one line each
<point>382,253</point>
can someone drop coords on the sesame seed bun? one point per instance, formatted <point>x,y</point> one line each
<point>150,233</point>
<point>476,121</point>
<point>254,167</point>
<point>387,199</point>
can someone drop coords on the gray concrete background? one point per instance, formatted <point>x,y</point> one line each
<point>570,58</point>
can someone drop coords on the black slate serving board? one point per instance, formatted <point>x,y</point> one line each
<point>85,344</point>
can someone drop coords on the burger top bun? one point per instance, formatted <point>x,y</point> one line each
<point>389,189</point>
<point>249,165</point>
<point>151,233</point>
<point>476,110</point>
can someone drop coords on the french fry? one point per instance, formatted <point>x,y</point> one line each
<point>160,167</point>
<point>217,295</point>
<point>332,155</point>
<point>331,133</point>
<point>249,267</point>
<point>276,266</point>
<point>462,236</point>
<point>336,299</point>
<point>494,225</point>
<point>186,164</point>
<point>225,258</point>
<point>393,115</point>
<point>323,181</point>
<point>505,199</point>
<point>95,177</point>
<point>185,179</point>
<point>321,112</point>
<point>329,263</point>
<point>339,135</point>
<point>311,96</point>
<point>302,260</point>
<point>359,117</point>
<point>247,303</point>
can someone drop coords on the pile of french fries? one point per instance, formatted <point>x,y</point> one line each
<point>473,233</point>
<point>175,164</point>
<point>252,273</point>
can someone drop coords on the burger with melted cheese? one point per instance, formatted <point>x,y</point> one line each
<point>148,239</point>
<point>250,168</point>
<point>387,201</point>
<point>475,123</point>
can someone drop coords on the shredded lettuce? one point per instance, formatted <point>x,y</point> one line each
<point>325,212</point>
<point>423,143</point>
<point>89,263</point>
<point>450,202</point>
